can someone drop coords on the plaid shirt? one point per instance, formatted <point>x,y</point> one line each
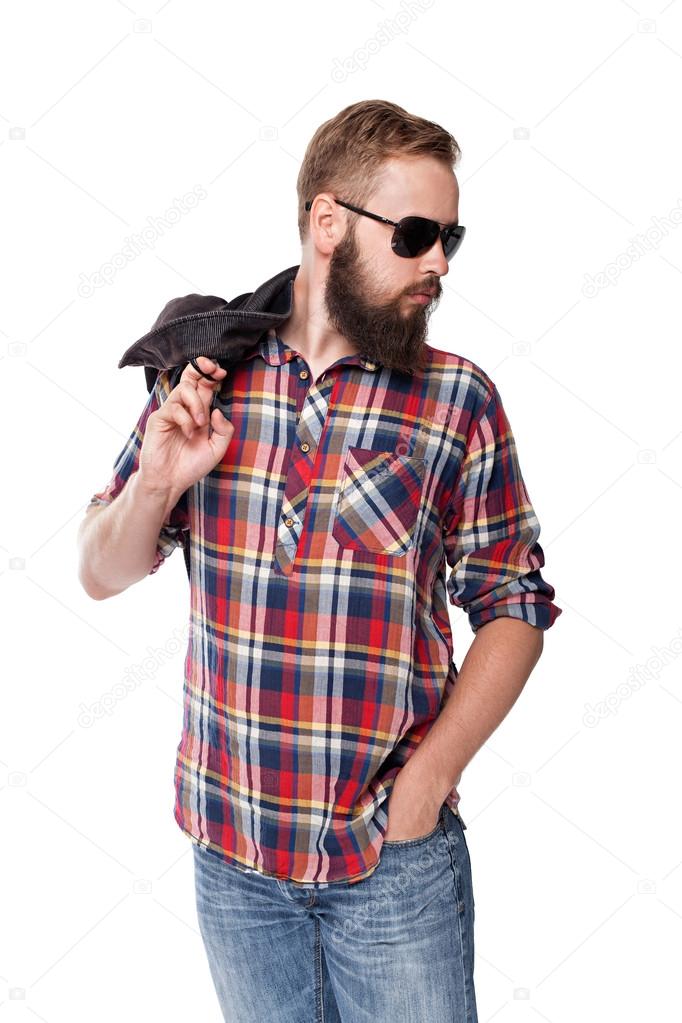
<point>320,649</point>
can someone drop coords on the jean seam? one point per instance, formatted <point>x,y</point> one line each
<point>317,965</point>
<point>460,915</point>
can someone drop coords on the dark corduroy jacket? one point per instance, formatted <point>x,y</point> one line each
<point>196,325</point>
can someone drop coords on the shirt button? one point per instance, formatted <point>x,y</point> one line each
<point>288,522</point>
<point>303,374</point>
<point>305,447</point>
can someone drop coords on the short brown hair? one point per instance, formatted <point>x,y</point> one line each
<point>346,153</point>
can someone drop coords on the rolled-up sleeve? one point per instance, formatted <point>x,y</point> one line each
<point>174,531</point>
<point>491,531</point>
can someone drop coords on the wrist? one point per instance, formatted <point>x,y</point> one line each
<point>150,490</point>
<point>420,773</point>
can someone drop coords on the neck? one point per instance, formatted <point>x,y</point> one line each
<point>307,330</point>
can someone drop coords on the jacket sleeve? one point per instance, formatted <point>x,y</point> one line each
<point>491,530</point>
<point>174,532</point>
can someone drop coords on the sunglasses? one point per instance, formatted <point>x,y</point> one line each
<point>412,236</point>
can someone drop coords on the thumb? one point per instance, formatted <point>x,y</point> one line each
<point>221,423</point>
<point>223,428</point>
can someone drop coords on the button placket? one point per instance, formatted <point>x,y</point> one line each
<point>309,428</point>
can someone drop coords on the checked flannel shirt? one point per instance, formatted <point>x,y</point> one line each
<point>324,547</point>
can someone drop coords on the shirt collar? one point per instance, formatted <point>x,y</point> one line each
<point>275,352</point>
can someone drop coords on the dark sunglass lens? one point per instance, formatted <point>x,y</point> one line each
<point>452,240</point>
<point>414,235</point>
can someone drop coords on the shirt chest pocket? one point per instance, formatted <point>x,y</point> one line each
<point>378,501</point>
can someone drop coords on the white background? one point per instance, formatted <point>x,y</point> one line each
<point>568,119</point>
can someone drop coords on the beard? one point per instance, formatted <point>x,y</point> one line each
<point>380,332</point>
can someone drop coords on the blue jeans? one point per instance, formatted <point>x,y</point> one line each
<point>396,947</point>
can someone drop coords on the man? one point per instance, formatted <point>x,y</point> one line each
<point>321,484</point>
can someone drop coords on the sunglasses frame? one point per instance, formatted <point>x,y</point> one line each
<point>448,230</point>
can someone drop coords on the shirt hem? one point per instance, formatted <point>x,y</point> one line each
<point>252,867</point>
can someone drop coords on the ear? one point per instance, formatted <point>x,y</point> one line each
<point>327,224</point>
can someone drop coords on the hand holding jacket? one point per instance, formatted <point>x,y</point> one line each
<point>183,439</point>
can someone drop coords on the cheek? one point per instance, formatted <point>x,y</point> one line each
<point>383,268</point>
<point>387,276</point>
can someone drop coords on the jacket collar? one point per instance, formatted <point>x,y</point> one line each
<point>196,325</point>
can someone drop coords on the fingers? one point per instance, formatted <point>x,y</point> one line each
<point>210,366</point>
<point>195,392</point>
<point>188,404</point>
<point>176,413</point>
<point>202,374</point>
<point>187,396</point>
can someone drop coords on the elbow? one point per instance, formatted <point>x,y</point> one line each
<point>100,594</point>
<point>92,588</point>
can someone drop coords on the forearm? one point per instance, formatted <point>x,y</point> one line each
<point>117,543</point>
<point>493,673</point>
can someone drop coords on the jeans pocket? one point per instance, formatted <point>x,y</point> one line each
<point>421,839</point>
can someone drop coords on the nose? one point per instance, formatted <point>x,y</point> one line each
<point>433,261</point>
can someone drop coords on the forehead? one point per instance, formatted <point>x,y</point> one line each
<point>421,186</point>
